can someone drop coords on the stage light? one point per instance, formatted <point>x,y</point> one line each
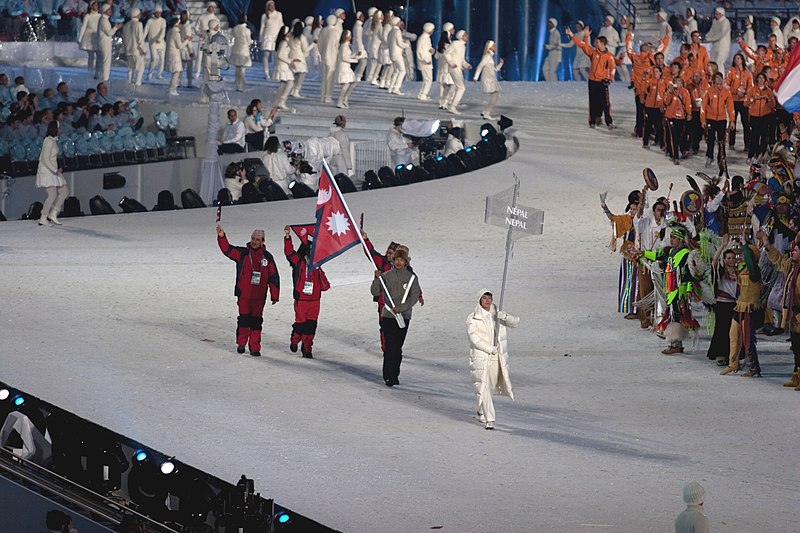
<point>301,190</point>
<point>167,467</point>
<point>487,130</point>
<point>140,456</point>
<point>387,177</point>
<point>504,122</point>
<point>19,400</point>
<point>282,518</point>
<point>4,394</point>
<point>371,181</point>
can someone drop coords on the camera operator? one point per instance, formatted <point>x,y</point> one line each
<point>399,145</point>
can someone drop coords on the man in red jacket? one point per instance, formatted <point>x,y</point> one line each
<point>307,293</point>
<point>256,273</point>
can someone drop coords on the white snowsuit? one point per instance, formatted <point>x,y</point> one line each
<point>553,59</point>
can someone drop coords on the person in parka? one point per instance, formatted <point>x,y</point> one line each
<point>488,360</point>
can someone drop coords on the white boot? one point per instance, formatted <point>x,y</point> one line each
<point>43,220</point>
<point>53,217</point>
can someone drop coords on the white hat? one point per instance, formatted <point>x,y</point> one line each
<point>694,493</point>
<point>371,11</point>
<point>663,14</point>
<point>776,20</point>
<point>159,9</point>
<point>720,10</point>
<point>428,27</point>
<point>211,4</point>
<point>105,7</point>
<point>447,26</point>
<point>309,20</point>
<point>749,18</point>
<point>460,34</point>
<point>331,20</point>
<point>553,21</point>
<point>691,11</point>
<point>136,13</point>
<point>396,21</point>
<point>338,12</point>
<point>580,22</point>
<point>610,19</point>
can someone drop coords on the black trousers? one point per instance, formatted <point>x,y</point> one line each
<point>599,103</point>
<point>394,337</point>
<point>675,129</point>
<point>230,148</point>
<point>652,122</point>
<point>716,132</point>
<point>795,338</point>
<point>759,131</point>
<point>739,110</point>
<point>695,131</point>
<point>721,340</point>
<point>638,129</point>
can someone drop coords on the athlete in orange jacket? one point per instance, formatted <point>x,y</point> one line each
<point>679,108</point>
<point>601,74</point>
<point>716,115</point>
<point>653,104</point>
<point>739,80</point>
<point>760,101</point>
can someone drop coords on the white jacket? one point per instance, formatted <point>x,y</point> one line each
<point>358,37</point>
<point>328,45</point>
<point>344,72</point>
<point>87,38</point>
<point>720,36</point>
<point>47,173</point>
<point>487,73</point>
<point>105,32</point>
<point>344,161</point>
<point>270,27</point>
<point>240,51</point>
<point>611,35</point>
<point>283,65</point>
<point>133,39</point>
<point>175,44</point>
<point>424,46</point>
<point>279,167</point>
<point>298,49</point>
<point>397,44</point>
<point>481,344</point>
<point>155,32</point>
<point>455,54</point>
<point>553,45</point>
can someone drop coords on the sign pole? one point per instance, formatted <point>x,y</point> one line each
<point>505,262</point>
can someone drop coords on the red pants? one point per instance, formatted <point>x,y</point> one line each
<point>306,313</point>
<point>251,317</point>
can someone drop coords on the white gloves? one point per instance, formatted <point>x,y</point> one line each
<point>494,351</point>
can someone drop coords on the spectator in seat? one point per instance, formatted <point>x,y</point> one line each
<point>256,124</point>
<point>235,178</point>
<point>232,141</point>
<point>277,163</point>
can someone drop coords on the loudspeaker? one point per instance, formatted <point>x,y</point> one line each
<point>34,211</point>
<point>386,176</point>
<point>191,200</point>
<point>301,190</point>
<point>371,181</point>
<point>72,208</point>
<point>270,190</point>
<point>166,201</point>
<point>455,165</point>
<point>224,197</point>
<point>100,206</point>
<point>113,180</point>
<point>345,183</point>
<point>130,205</point>
<point>250,194</point>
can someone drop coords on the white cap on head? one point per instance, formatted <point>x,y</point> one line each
<point>580,23</point>
<point>610,19</point>
<point>339,12</point>
<point>428,27</point>
<point>694,493</point>
<point>106,7</point>
<point>159,9</point>
<point>447,26</point>
<point>749,19</point>
<point>270,2</point>
<point>553,21</point>
<point>663,14</point>
<point>309,20</point>
<point>691,11</point>
<point>776,20</point>
<point>720,10</point>
<point>212,4</point>
<point>331,20</point>
<point>371,11</point>
<point>396,21</point>
<point>460,34</point>
<point>136,13</point>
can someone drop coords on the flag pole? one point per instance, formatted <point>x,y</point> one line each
<point>509,245</point>
<point>398,316</point>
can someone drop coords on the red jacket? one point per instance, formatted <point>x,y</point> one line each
<point>249,260</point>
<point>317,278</point>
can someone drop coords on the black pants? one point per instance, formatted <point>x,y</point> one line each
<point>695,131</point>
<point>394,336</point>
<point>739,110</point>
<point>795,337</point>
<point>599,103</point>
<point>716,132</point>
<point>721,340</point>
<point>652,122</point>
<point>638,129</point>
<point>759,131</point>
<point>675,128</point>
<point>230,148</point>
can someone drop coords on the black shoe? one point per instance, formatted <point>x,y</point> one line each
<point>240,349</point>
<point>308,355</point>
<point>255,353</point>
<point>389,383</point>
<point>722,362</point>
<point>773,332</point>
<point>293,347</point>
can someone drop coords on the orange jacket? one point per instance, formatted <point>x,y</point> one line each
<point>717,105</point>
<point>654,92</point>
<point>700,55</point>
<point>603,64</point>
<point>642,64</point>
<point>739,79</point>
<point>679,104</point>
<point>697,92</point>
<point>757,104</point>
<point>758,62</point>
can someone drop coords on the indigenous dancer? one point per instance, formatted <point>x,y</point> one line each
<point>622,226</point>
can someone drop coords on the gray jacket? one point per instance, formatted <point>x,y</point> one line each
<point>397,281</point>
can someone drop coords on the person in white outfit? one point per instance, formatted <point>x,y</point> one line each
<point>488,354</point>
<point>133,44</point>
<point>408,54</point>
<point>749,36</point>
<point>277,163</point>
<point>611,35</point>
<point>87,37</point>
<point>177,46</point>
<point>693,519</point>
<point>442,70</point>
<point>298,53</point>
<point>581,62</point>
<point>624,69</point>
<point>48,176</point>
<point>105,32</point>
<point>663,25</point>
<point>487,73</point>
<point>397,45</point>
<point>373,51</point>
<point>187,53</point>
<point>457,62</point>
<point>341,16</point>
<point>775,29</point>
<point>399,145</point>
<point>343,161</point>
<point>425,53</point>
<point>720,36</point>
<point>453,142</point>
<point>358,45</point>
<point>792,29</point>
<point>201,30</point>
<point>553,47</point>
<point>329,51</point>
<point>690,25</point>
<point>213,29</point>
<point>386,58</point>
<point>232,137</point>
<point>344,72</point>
<point>284,69</point>
<point>271,24</point>
<point>240,51</point>
<point>155,33</point>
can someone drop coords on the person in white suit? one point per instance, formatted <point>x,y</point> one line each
<point>358,45</point>
<point>373,51</point>
<point>240,52</point>
<point>155,33</point>
<point>775,29</point>
<point>386,58</point>
<point>689,25</point>
<point>553,47</point>
<point>201,31</point>
<point>284,69</point>
<point>397,46</point>
<point>611,34</point>
<point>425,53</point>
<point>87,37</point>
<point>344,72</point>
<point>271,24</point>
<point>442,70</point>
<point>105,32</point>
<point>177,47</point>
<point>488,354</point>
<point>329,51</point>
<point>298,53</point>
<point>720,36</point>
<point>48,176</point>
<point>457,63</point>
<point>792,29</point>
<point>133,44</point>
<point>487,73</point>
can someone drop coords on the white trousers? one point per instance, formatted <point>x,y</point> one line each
<point>457,92</point>
<point>398,75</point>
<point>550,68</point>
<point>55,199</point>
<point>157,59</point>
<point>135,68</point>
<point>328,71</point>
<point>427,81</point>
<point>485,402</point>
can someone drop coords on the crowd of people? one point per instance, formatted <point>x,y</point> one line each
<point>729,245</point>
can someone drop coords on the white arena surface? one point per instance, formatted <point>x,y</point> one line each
<point>129,321</point>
